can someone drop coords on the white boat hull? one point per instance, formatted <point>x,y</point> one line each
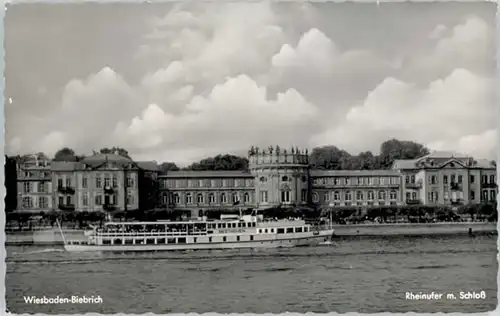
<point>311,240</point>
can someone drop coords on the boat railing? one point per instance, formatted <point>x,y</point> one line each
<point>148,234</point>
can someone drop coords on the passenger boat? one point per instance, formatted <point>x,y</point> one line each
<point>229,232</point>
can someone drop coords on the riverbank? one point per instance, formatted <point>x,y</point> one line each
<point>54,237</point>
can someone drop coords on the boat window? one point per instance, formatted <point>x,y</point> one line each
<point>150,241</point>
<point>181,240</point>
<point>239,225</point>
<point>195,239</point>
<point>265,231</point>
<point>223,225</point>
<point>251,237</point>
<point>298,229</point>
<point>117,241</point>
<point>129,241</point>
<point>306,229</point>
<point>219,225</point>
<point>234,225</point>
<point>224,238</point>
<point>281,230</point>
<point>209,239</point>
<point>289,230</point>
<point>160,241</point>
<point>171,240</point>
<point>106,242</point>
<point>272,230</point>
<point>237,238</point>
<point>260,231</point>
<point>253,224</point>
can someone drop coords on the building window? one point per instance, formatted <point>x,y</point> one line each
<point>85,200</point>
<point>130,199</point>
<point>452,178</point>
<point>27,202</point>
<point>472,179</point>
<point>285,196</point>
<point>223,198</point>
<point>472,195</point>
<point>326,197</point>
<point>211,198</point>
<point>284,178</point>
<point>493,195</point>
<point>414,195</point>
<point>98,200</point>
<point>130,182</point>
<point>84,183</point>
<point>61,200</point>
<point>263,196</point>
<point>303,195</point>
<point>336,181</point>
<point>69,200</point>
<point>189,198</point>
<point>445,179</point>
<point>177,198</point>
<point>381,195</point>
<point>485,195</point>
<point>199,198</point>
<point>262,179</point>
<point>43,202</point>
<point>164,199</point>
<point>459,178</point>
<point>408,196</point>
<point>98,182</point>
<point>348,196</point>
<point>236,197</point>
<point>413,179</point>
<point>68,182</point>
<point>492,179</point>
<point>484,179</point>
<point>371,196</point>
<point>393,195</point>
<point>336,196</point>
<point>407,179</point>
<point>115,182</point>
<point>41,187</point>
<point>107,181</point>
<point>59,182</point>
<point>27,187</point>
<point>246,197</point>
<point>315,197</point>
<point>359,195</point>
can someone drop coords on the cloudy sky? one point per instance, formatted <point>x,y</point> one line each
<point>182,81</point>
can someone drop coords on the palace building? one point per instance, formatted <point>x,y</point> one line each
<point>275,177</point>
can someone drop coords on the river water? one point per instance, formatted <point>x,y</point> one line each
<point>355,275</point>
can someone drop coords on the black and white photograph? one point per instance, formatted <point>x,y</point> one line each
<point>250,157</point>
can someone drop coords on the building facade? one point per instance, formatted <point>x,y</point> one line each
<point>275,177</point>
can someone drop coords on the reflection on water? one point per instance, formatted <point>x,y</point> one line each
<point>358,274</point>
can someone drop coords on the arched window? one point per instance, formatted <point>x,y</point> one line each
<point>315,197</point>
<point>393,195</point>
<point>189,198</point>
<point>177,198</point>
<point>284,178</point>
<point>348,196</point>
<point>199,198</point>
<point>359,195</point>
<point>381,195</point>
<point>413,179</point>
<point>371,196</point>
<point>211,198</point>
<point>164,198</point>
<point>223,198</point>
<point>236,197</point>
<point>336,196</point>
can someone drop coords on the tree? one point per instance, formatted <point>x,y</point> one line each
<point>115,150</point>
<point>395,149</point>
<point>220,162</point>
<point>168,166</point>
<point>65,154</point>
<point>329,157</point>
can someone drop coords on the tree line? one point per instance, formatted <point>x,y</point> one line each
<point>326,157</point>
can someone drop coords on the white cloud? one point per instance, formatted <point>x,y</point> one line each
<point>51,143</point>
<point>437,115</point>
